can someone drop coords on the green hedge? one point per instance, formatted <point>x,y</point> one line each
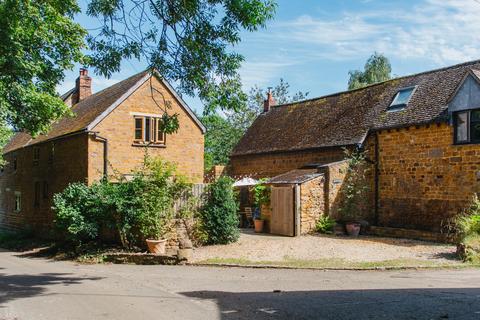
<point>219,215</point>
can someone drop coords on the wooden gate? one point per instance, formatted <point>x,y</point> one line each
<point>282,221</point>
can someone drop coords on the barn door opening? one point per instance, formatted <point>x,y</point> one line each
<point>282,221</point>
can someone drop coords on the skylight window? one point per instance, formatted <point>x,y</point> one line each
<point>401,99</point>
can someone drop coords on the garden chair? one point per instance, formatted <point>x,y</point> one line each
<point>249,217</point>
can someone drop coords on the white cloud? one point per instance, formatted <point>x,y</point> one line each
<point>445,31</point>
<point>262,72</point>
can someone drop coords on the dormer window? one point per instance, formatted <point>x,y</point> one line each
<point>401,99</point>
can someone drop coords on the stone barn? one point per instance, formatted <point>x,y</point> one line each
<point>421,134</point>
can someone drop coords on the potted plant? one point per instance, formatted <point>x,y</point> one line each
<point>155,236</point>
<point>155,223</point>
<point>354,190</point>
<point>261,196</point>
<point>258,221</point>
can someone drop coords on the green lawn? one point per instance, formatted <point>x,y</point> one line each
<point>339,263</point>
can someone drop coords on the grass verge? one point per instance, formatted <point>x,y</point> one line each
<point>336,263</point>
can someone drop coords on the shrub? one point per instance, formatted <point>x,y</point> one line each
<point>325,225</point>
<point>469,223</point>
<point>261,193</point>
<point>219,215</point>
<point>79,212</point>
<point>355,186</point>
<point>137,209</point>
<point>468,229</point>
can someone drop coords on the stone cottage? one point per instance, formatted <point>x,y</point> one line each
<point>421,133</point>
<point>109,130</point>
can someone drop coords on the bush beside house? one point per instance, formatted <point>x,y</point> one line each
<point>128,212</point>
<point>134,210</point>
<point>468,229</point>
<point>219,215</point>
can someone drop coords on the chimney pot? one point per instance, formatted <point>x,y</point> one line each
<point>269,102</point>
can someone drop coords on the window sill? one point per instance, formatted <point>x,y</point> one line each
<point>152,145</point>
<point>465,143</point>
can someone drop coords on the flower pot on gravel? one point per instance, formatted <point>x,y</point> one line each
<point>156,246</point>
<point>353,228</point>
<point>258,225</point>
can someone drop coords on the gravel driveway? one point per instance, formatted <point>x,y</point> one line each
<point>265,247</point>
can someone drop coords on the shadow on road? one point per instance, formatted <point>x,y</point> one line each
<point>458,303</point>
<point>13,287</point>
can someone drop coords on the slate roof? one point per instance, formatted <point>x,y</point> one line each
<point>346,118</point>
<point>86,112</point>
<point>295,176</point>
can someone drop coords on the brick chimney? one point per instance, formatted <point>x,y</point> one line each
<point>83,86</point>
<point>269,102</point>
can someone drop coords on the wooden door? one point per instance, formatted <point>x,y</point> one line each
<point>282,221</point>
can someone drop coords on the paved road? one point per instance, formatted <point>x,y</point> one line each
<point>41,289</point>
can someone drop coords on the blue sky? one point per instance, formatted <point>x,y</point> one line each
<point>313,44</point>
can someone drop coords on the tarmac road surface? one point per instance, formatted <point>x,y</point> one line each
<point>39,289</point>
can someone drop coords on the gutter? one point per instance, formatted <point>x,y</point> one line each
<point>47,140</point>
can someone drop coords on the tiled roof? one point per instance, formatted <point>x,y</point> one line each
<point>85,112</point>
<point>345,118</point>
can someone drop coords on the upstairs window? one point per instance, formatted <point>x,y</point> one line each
<point>467,126</point>
<point>51,155</point>
<point>14,163</point>
<point>36,155</point>
<point>401,99</point>
<point>148,131</point>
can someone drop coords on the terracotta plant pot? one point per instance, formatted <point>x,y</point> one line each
<point>156,246</point>
<point>353,228</point>
<point>258,225</point>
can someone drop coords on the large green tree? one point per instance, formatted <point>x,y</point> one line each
<point>225,130</point>
<point>189,42</point>
<point>377,69</point>
<point>38,41</point>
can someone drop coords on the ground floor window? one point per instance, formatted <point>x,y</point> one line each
<point>36,201</point>
<point>18,201</point>
<point>467,126</point>
<point>45,190</point>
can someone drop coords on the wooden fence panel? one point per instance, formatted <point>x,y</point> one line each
<point>195,198</point>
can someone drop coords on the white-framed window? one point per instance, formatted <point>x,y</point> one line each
<point>148,130</point>
<point>18,201</point>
